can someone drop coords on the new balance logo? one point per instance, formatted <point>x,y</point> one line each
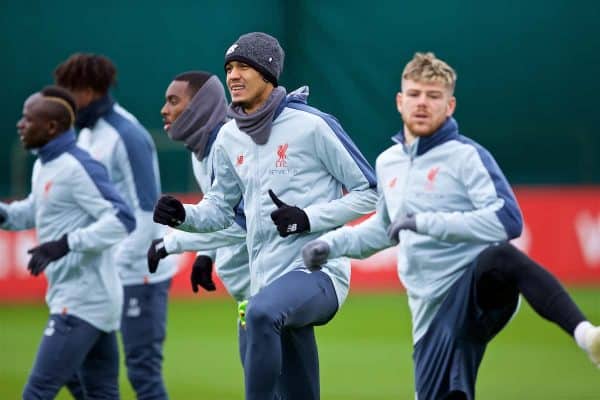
<point>392,183</point>
<point>240,160</point>
<point>292,228</point>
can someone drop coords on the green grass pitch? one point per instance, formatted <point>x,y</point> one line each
<point>365,353</point>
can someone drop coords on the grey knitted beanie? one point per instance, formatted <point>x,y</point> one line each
<point>260,51</point>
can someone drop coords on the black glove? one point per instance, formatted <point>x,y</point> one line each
<point>3,216</point>
<point>315,254</point>
<point>202,274</point>
<point>169,211</point>
<point>404,222</point>
<point>45,253</point>
<point>156,252</point>
<point>289,219</point>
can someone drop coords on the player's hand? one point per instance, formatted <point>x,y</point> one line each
<point>156,252</point>
<point>403,222</point>
<point>288,219</point>
<point>3,216</point>
<point>45,253</point>
<point>202,274</point>
<point>315,253</point>
<point>169,211</point>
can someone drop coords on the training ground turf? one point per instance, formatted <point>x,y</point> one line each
<point>365,353</point>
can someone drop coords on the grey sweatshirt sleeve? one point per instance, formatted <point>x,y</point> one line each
<point>345,163</point>
<point>20,214</point>
<point>364,239</point>
<point>495,215</point>
<point>178,241</point>
<point>215,211</point>
<point>141,194</point>
<point>108,229</point>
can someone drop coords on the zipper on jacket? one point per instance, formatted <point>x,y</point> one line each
<point>259,231</point>
<point>401,207</point>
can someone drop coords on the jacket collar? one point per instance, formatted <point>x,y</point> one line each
<point>299,96</point>
<point>57,146</point>
<point>90,114</point>
<point>448,131</point>
<point>211,139</point>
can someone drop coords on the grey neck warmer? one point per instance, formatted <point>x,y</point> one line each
<point>258,124</point>
<point>205,112</point>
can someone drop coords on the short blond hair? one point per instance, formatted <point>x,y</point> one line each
<point>426,67</point>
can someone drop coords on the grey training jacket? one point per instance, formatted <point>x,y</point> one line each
<point>462,203</point>
<point>308,161</point>
<point>71,194</point>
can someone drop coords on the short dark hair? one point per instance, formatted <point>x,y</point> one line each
<point>195,80</point>
<point>86,70</point>
<point>57,91</point>
<point>61,113</point>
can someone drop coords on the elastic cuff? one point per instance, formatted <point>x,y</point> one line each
<point>170,243</point>
<point>420,222</point>
<point>70,241</point>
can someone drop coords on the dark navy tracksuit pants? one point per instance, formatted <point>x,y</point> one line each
<point>143,330</point>
<point>284,383</point>
<point>72,346</point>
<point>476,308</point>
<point>281,350</point>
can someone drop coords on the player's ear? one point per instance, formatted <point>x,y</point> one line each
<point>52,126</point>
<point>399,102</point>
<point>451,106</point>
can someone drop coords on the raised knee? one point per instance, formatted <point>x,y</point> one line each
<point>500,251</point>
<point>500,265</point>
<point>260,316</point>
<point>501,255</point>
